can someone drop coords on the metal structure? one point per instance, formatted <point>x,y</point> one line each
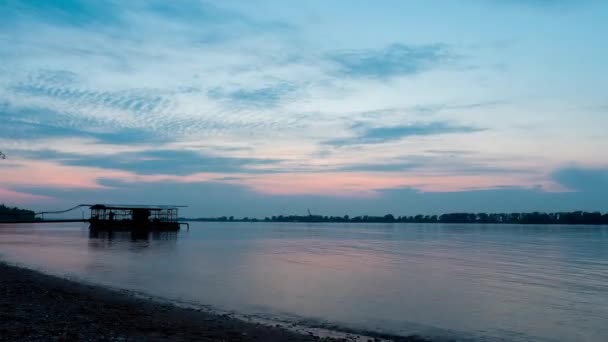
<point>117,217</point>
<point>134,217</point>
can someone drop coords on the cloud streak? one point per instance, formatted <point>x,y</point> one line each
<point>594,180</point>
<point>383,134</point>
<point>154,162</point>
<point>392,61</point>
<point>266,97</point>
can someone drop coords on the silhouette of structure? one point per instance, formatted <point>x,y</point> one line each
<point>133,218</point>
<point>107,217</point>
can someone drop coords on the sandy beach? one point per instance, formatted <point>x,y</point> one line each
<point>40,307</point>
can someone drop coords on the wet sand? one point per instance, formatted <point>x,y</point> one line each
<point>39,307</point>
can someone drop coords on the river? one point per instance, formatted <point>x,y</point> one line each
<point>473,282</point>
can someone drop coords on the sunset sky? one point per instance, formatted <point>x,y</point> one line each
<point>256,108</point>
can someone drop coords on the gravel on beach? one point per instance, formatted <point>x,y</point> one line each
<point>39,307</point>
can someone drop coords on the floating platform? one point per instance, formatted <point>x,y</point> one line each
<point>133,218</point>
<point>118,218</point>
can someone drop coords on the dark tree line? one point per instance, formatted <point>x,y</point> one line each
<point>576,217</point>
<point>8,214</point>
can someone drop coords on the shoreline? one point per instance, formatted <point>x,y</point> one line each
<point>35,306</point>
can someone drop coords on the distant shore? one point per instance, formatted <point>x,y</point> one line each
<point>563,218</point>
<point>16,215</point>
<point>39,307</point>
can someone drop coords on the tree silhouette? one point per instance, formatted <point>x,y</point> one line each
<point>2,155</point>
<point>576,217</point>
<point>8,214</point>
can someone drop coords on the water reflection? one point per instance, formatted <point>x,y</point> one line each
<point>135,239</point>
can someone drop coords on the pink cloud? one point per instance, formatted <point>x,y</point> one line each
<point>28,173</point>
<point>10,197</point>
<point>53,175</point>
<point>367,184</point>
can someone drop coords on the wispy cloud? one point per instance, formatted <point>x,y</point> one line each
<point>77,13</point>
<point>151,91</point>
<point>151,162</point>
<point>380,167</point>
<point>593,180</point>
<point>259,97</point>
<point>382,134</point>
<point>394,60</point>
<point>542,4</point>
<point>39,124</point>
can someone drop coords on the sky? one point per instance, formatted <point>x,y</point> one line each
<point>257,108</point>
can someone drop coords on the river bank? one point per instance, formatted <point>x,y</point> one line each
<point>40,307</point>
<point>35,306</point>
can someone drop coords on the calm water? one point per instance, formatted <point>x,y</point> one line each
<point>518,283</point>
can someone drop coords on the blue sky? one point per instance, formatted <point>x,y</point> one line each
<point>259,108</point>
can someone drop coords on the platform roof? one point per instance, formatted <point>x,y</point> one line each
<point>134,206</point>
